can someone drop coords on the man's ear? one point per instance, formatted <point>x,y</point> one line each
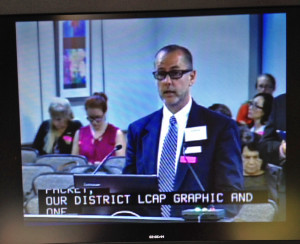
<point>192,76</point>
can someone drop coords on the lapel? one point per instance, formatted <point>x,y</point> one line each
<point>150,142</point>
<point>196,118</point>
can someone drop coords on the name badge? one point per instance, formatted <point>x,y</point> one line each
<point>197,133</point>
<point>188,160</point>
<point>194,149</point>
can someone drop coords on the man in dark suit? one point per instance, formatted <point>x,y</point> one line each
<point>208,144</point>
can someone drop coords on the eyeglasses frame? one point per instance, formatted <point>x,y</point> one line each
<point>183,72</point>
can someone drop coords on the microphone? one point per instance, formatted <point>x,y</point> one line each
<point>118,147</point>
<point>193,171</point>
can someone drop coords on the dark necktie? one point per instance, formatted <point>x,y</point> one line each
<point>167,164</point>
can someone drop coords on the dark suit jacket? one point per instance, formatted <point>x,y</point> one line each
<point>269,145</point>
<point>219,165</point>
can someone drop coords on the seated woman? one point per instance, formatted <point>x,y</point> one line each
<point>252,163</point>
<point>255,180</point>
<point>259,110</point>
<point>254,169</point>
<point>265,83</point>
<point>258,174</point>
<point>56,134</point>
<point>98,139</point>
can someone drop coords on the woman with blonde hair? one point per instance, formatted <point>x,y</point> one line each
<point>55,136</point>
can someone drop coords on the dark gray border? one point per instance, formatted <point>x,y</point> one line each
<point>10,7</point>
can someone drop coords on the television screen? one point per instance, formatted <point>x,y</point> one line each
<point>233,179</point>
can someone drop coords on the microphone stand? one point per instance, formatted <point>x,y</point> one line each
<point>193,171</point>
<point>118,147</point>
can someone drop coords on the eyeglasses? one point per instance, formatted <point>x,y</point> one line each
<point>265,87</point>
<point>251,103</point>
<point>96,119</point>
<point>173,74</point>
<point>57,118</point>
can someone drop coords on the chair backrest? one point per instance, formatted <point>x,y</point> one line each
<point>56,180</point>
<point>114,165</point>
<point>29,155</point>
<point>62,162</point>
<point>257,212</point>
<point>81,169</point>
<point>29,172</point>
<point>274,175</point>
<point>32,206</point>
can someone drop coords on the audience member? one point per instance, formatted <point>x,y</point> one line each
<point>98,139</point>
<point>56,134</point>
<point>256,178</point>
<point>252,163</point>
<point>246,135</point>
<point>259,111</point>
<point>221,108</point>
<point>259,175</point>
<point>273,143</point>
<point>265,83</point>
<point>272,149</point>
<point>189,147</point>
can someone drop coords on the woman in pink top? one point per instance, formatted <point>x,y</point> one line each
<point>98,139</point>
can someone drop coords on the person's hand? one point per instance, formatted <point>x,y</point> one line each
<point>282,149</point>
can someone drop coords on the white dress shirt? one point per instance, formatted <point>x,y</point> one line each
<point>181,118</point>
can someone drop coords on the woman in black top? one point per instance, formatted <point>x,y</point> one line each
<point>56,134</point>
